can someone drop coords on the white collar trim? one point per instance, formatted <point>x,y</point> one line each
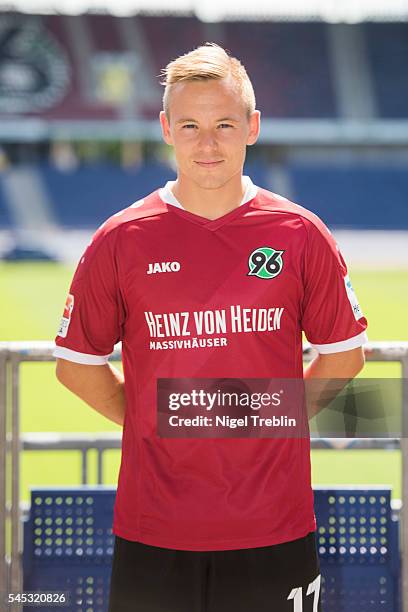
<point>168,197</point>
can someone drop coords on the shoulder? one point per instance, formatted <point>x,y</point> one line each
<point>315,229</point>
<point>149,206</point>
<point>145,208</point>
<point>267,200</point>
<point>102,246</point>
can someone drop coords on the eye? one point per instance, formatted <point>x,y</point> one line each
<point>225,125</point>
<point>189,126</point>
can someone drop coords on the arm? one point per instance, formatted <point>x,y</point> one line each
<point>101,387</point>
<point>334,370</point>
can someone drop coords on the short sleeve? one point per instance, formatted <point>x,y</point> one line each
<point>94,312</point>
<point>332,318</point>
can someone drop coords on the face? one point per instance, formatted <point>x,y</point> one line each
<point>209,128</point>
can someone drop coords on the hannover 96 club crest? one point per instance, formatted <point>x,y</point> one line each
<point>34,70</point>
<point>265,262</point>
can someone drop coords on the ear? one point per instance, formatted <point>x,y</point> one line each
<point>254,127</point>
<point>165,126</point>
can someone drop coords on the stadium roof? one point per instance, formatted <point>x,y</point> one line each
<point>333,11</point>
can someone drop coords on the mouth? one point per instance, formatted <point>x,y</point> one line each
<point>209,164</point>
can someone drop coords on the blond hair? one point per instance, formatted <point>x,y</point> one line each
<point>209,61</point>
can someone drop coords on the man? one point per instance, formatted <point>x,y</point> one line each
<point>218,524</point>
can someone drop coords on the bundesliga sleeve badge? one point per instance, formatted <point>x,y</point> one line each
<point>66,317</point>
<point>353,298</point>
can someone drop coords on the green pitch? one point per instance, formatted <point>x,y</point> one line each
<point>32,300</point>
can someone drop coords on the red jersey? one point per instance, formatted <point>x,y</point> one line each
<point>151,273</point>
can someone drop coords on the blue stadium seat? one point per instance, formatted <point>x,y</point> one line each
<point>357,540</point>
<point>68,546</point>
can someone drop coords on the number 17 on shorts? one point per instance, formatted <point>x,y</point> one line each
<point>313,590</point>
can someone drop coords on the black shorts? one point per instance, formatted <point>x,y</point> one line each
<point>280,578</point>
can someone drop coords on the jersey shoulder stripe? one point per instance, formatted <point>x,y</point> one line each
<point>317,232</point>
<point>148,206</point>
<point>267,200</point>
<point>107,234</point>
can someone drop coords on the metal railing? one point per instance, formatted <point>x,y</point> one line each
<point>12,443</point>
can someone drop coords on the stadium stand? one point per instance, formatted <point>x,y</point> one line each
<point>291,80</point>
<point>83,67</point>
<point>105,34</point>
<point>354,195</point>
<point>5,218</point>
<point>346,196</point>
<point>88,195</point>
<point>387,50</point>
<point>299,83</point>
<point>68,97</point>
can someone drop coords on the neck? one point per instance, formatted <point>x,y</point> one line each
<point>207,202</point>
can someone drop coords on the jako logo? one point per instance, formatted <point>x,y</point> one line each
<point>164,266</point>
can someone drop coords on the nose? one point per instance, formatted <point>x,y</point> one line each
<point>208,140</point>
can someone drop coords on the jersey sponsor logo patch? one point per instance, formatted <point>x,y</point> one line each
<point>265,263</point>
<point>66,317</point>
<point>353,298</point>
<point>164,266</point>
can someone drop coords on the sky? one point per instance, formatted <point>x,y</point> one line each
<point>349,11</point>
